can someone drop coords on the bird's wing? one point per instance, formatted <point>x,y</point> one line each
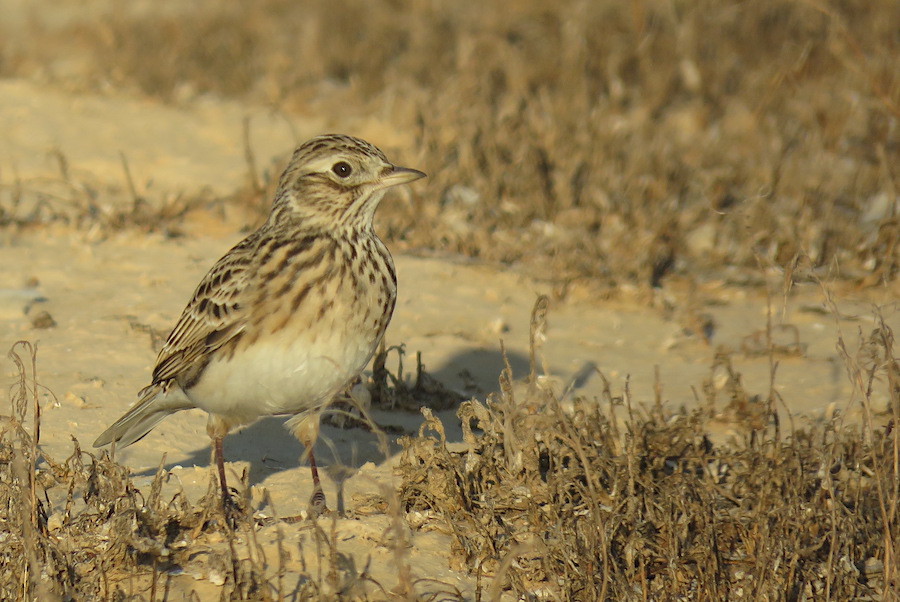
<point>215,315</point>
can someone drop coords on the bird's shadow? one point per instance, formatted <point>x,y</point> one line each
<point>268,447</point>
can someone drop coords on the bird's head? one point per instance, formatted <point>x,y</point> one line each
<point>336,181</point>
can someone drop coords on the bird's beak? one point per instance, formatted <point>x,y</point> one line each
<point>400,175</point>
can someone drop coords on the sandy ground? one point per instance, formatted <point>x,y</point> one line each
<point>103,293</point>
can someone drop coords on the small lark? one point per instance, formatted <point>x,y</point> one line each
<point>291,314</point>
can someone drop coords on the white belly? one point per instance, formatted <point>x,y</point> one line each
<point>280,377</point>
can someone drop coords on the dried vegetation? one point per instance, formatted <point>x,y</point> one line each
<point>545,498</point>
<point>579,501</point>
<point>568,499</point>
<point>80,529</point>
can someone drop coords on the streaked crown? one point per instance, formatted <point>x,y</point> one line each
<point>336,181</point>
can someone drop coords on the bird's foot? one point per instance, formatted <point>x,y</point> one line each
<point>233,512</point>
<point>317,507</point>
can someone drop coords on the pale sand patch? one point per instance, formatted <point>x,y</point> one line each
<point>190,149</point>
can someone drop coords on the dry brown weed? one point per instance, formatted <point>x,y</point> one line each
<point>582,499</point>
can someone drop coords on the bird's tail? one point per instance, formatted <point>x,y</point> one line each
<point>154,403</point>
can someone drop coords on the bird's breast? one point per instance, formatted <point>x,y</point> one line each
<point>308,335</point>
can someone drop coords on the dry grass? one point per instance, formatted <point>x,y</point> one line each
<point>612,141</point>
<point>80,529</point>
<point>575,500</point>
<point>558,499</point>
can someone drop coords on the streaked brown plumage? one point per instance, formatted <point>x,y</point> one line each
<point>291,314</point>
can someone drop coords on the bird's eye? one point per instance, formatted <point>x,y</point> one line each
<point>342,169</point>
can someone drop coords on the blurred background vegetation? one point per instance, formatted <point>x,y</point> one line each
<point>617,142</point>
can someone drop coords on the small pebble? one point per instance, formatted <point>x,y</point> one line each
<point>42,320</point>
<point>74,399</point>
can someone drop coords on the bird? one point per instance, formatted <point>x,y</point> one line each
<point>288,317</point>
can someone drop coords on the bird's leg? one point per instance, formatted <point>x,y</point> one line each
<point>217,428</point>
<point>317,500</point>
<point>219,454</point>
<point>305,427</point>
